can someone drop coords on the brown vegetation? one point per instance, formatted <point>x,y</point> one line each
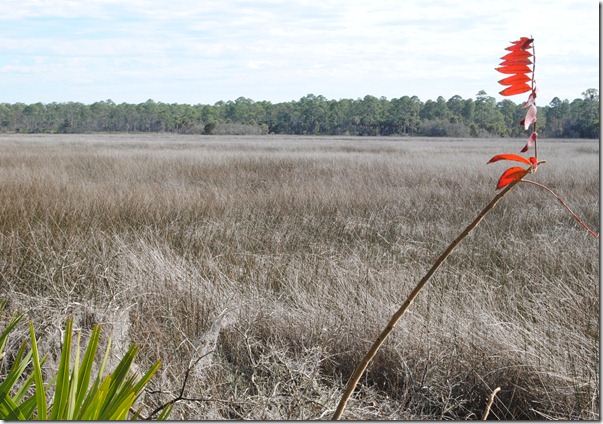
<point>277,261</point>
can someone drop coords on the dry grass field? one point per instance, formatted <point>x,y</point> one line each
<point>268,265</point>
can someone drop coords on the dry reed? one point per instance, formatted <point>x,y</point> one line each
<point>311,244</point>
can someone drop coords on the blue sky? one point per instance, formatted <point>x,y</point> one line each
<point>200,51</point>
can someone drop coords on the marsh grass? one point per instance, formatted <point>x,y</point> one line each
<point>279,260</point>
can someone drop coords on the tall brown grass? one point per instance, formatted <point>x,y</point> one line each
<point>277,261</point>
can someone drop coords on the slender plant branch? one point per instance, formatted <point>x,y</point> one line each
<point>362,366</point>
<point>535,140</point>
<point>564,205</point>
<point>533,88</point>
<point>180,396</point>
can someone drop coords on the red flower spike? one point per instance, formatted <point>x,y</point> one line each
<point>510,175</point>
<point>510,156</point>
<point>530,142</point>
<point>533,160</point>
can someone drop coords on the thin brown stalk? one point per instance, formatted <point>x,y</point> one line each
<point>362,366</point>
<point>564,205</point>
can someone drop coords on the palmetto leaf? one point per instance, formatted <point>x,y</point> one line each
<point>86,368</point>
<point>40,395</point>
<point>9,409</point>
<point>108,398</point>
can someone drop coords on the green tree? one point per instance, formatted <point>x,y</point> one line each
<point>487,116</point>
<point>557,112</point>
<point>512,114</point>
<point>435,110</point>
<point>584,116</point>
<point>455,106</point>
<point>406,112</point>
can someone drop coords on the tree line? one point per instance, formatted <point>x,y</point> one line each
<point>312,115</point>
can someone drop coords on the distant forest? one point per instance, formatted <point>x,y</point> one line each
<point>312,115</point>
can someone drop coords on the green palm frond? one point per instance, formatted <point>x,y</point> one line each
<point>76,395</point>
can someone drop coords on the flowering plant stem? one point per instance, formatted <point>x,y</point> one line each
<point>363,365</point>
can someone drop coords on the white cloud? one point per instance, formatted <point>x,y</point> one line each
<point>281,50</point>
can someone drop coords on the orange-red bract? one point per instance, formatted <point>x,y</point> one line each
<point>510,175</point>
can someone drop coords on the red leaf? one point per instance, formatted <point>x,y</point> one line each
<point>520,54</point>
<point>531,99</point>
<point>530,117</point>
<point>510,175</point>
<point>526,43</point>
<point>514,69</point>
<point>514,79</point>
<point>510,156</point>
<point>513,61</point>
<point>522,44</point>
<point>530,142</point>
<point>515,89</point>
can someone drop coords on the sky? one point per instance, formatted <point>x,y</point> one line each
<point>205,51</point>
